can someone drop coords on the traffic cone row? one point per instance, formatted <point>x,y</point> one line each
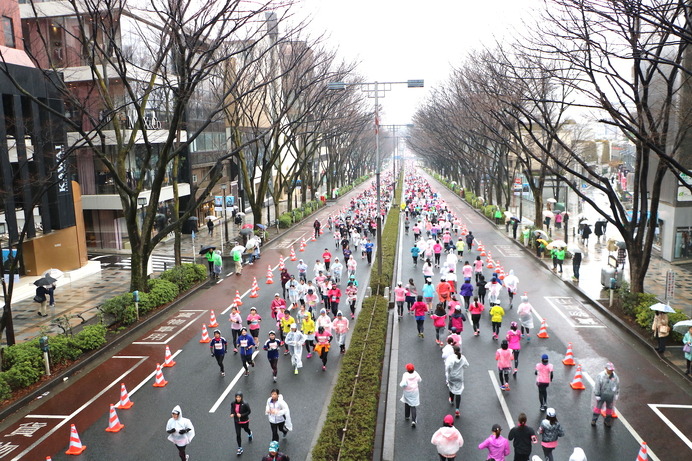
<point>302,245</point>
<point>114,424</point>
<point>205,335</point>
<point>293,254</point>
<point>490,264</point>
<point>168,360</point>
<point>125,402</point>
<point>569,358</point>
<point>160,381</point>
<point>237,301</point>
<point>643,455</point>
<point>212,320</point>
<point>543,332</point>
<point>76,447</point>
<point>577,384</point>
<point>270,275</point>
<point>255,288</point>
<point>282,266</point>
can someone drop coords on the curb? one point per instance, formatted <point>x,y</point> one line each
<point>603,309</point>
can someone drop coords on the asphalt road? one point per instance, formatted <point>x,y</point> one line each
<point>644,378</point>
<point>194,382</point>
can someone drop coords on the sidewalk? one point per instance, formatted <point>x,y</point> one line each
<point>595,257</point>
<point>80,292</point>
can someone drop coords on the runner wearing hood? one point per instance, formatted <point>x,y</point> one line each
<point>180,431</point>
<point>447,440</point>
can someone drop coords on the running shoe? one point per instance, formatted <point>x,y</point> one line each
<point>457,413</point>
<point>240,451</point>
<point>324,368</point>
<point>249,437</point>
<point>309,355</point>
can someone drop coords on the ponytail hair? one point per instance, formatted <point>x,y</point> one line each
<point>522,419</point>
<point>457,351</point>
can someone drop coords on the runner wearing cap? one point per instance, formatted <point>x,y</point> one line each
<point>218,348</point>
<point>606,391</point>
<point>272,346</point>
<point>447,440</point>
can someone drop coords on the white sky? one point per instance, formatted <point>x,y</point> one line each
<point>398,40</point>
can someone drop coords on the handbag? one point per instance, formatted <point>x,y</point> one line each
<point>663,330</point>
<point>38,299</point>
<point>686,349</point>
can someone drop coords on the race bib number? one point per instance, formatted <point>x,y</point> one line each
<point>272,346</point>
<point>243,343</point>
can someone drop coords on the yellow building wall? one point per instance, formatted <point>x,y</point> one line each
<point>64,249</point>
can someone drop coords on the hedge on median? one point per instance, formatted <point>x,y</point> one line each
<point>390,235</point>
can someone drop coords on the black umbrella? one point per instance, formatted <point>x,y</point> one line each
<point>45,280</point>
<point>206,248</point>
<point>245,231</point>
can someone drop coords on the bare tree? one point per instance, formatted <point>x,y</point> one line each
<point>131,70</point>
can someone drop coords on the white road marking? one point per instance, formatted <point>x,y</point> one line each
<point>145,380</point>
<point>564,316</point>
<point>177,332</point>
<point>672,426</point>
<point>69,417</point>
<point>229,388</point>
<point>47,416</point>
<point>624,421</point>
<point>501,398</point>
<point>508,251</point>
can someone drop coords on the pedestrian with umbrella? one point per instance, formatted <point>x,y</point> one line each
<point>660,325</point>
<point>686,341</point>
<point>576,261</point>
<point>44,286</point>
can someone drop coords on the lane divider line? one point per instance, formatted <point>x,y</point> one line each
<point>229,388</point>
<point>501,399</point>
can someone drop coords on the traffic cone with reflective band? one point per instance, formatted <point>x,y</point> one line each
<point>48,458</point>
<point>543,332</point>
<point>205,335</point>
<point>321,231</point>
<point>282,266</point>
<point>114,424</point>
<point>160,382</point>
<point>643,455</point>
<point>313,238</point>
<point>125,402</point>
<point>168,360</point>
<point>302,245</point>
<point>76,447</point>
<point>254,290</point>
<point>212,320</point>
<point>483,253</point>
<point>577,384</point>
<point>489,264</point>
<point>569,358</point>
<point>270,276</point>
<point>237,300</point>
<point>293,254</point>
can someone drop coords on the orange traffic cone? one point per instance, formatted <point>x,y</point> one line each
<point>212,320</point>
<point>237,300</point>
<point>270,277</point>
<point>114,424</point>
<point>168,360</point>
<point>160,382</point>
<point>281,263</point>
<point>483,253</point>
<point>253,292</point>
<point>543,332</point>
<point>313,238</point>
<point>643,456</point>
<point>293,254</point>
<point>125,402</point>
<point>205,335</point>
<point>302,245</point>
<point>569,358</point>
<point>577,384</point>
<point>76,447</point>
<point>490,264</point>
<point>321,231</point>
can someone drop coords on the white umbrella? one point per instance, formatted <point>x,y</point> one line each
<point>548,214</point>
<point>238,248</point>
<point>683,326</point>
<point>551,200</point>
<point>55,273</point>
<point>508,214</point>
<point>662,308</point>
<point>573,248</point>
<point>558,243</point>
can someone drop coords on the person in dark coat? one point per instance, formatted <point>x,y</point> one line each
<point>576,263</point>
<point>240,412</point>
<point>274,453</point>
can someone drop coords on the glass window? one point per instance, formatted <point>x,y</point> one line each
<point>8,31</point>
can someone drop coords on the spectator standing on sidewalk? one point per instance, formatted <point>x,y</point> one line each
<point>576,264</point>
<point>210,227</point>
<point>661,329</point>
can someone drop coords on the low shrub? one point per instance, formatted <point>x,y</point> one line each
<point>63,349</point>
<point>297,215</point>
<point>285,220</point>
<point>22,353</point>
<point>186,275</point>
<point>23,374</point>
<point>117,305</point>
<point>91,337</point>
<point>5,389</point>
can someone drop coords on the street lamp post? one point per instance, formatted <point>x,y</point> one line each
<point>225,221</point>
<point>374,90</point>
<point>141,203</point>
